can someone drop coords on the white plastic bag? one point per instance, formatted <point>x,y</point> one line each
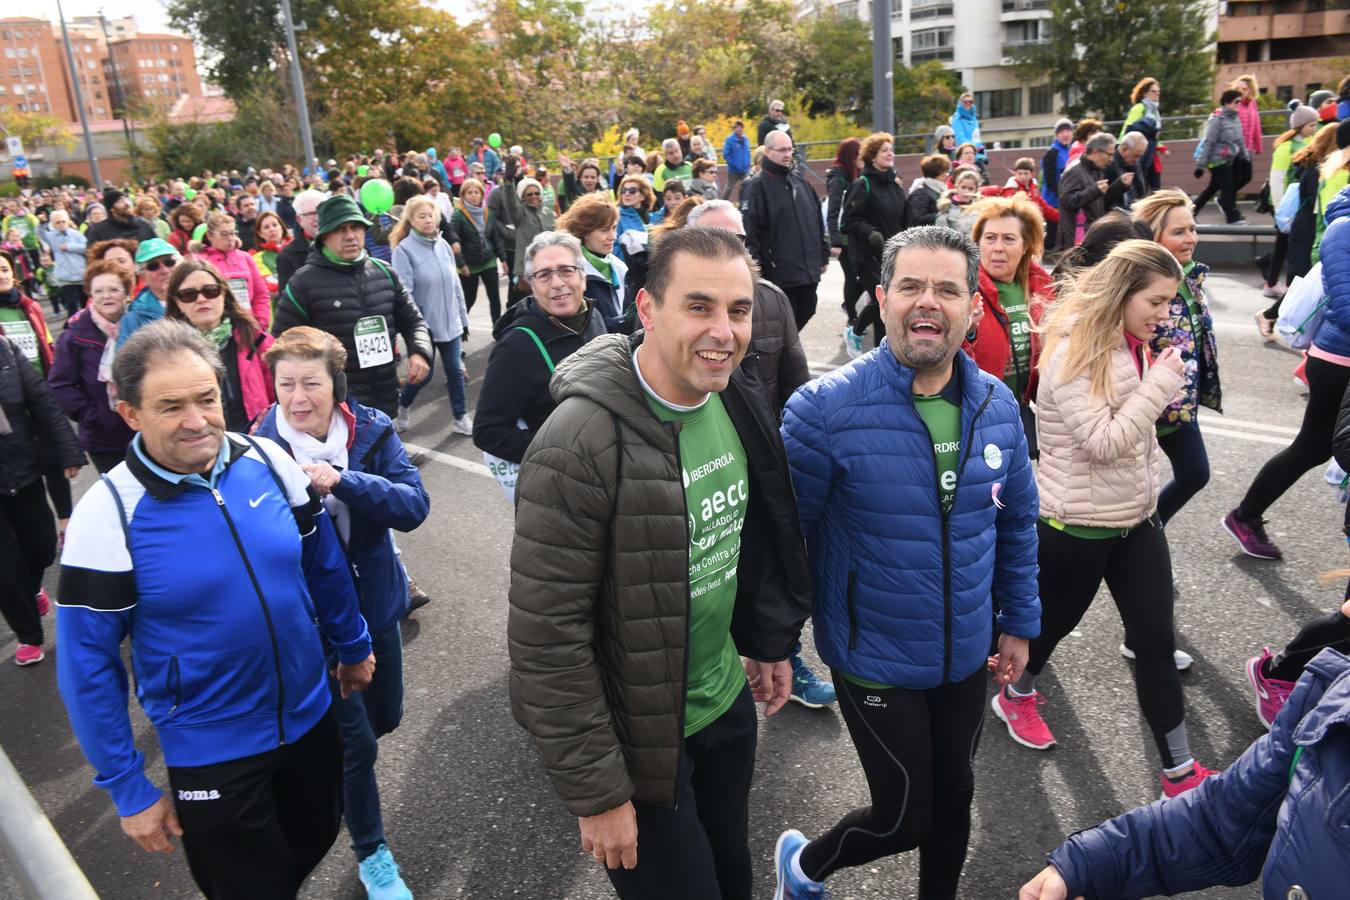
<point>1301,310</point>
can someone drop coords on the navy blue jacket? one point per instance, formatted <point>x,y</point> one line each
<point>1281,813</point>
<point>1334,334</point>
<point>219,590</point>
<point>902,590</point>
<point>383,490</point>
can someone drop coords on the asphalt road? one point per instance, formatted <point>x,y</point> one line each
<point>469,813</point>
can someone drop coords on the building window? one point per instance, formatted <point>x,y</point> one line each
<point>932,43</point>
<point>1284,93</point>
<point>3,90</point>
<point>23,107</point>
<point>90,64</point>
<point>23,53</point>
<point>1002,104</point>
<point>1019,34</point>
<point>1040,100</point>
<point>9,53</point>
<point>897,8</point>
<point>929,9</point>
<point>100,111</point>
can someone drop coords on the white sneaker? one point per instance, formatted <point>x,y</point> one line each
<point>1181,657</point>
<point>853,343</point>
<point>462,425</point>
<point>403,421</point>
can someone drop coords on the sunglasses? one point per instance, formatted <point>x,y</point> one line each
<point>189,295</point>
<point>154,265</point>
<point>630,190</point>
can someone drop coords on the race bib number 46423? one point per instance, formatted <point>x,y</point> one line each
<point>373,347</point>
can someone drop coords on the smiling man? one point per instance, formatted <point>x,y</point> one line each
<point>656,546</point>
<point>918,504</point>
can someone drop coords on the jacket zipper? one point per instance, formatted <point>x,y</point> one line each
<point>688,620</point>
<point>267,614</point>
<point>852,602</point>
<point>946,528</point>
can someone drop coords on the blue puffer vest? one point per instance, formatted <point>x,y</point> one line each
<point>1334,335</point>
<point>903,592</point>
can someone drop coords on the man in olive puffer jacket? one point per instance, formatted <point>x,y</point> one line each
<point>359,301</point>
<point>657,544</point>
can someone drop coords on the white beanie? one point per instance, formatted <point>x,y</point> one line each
<point>527,183</point>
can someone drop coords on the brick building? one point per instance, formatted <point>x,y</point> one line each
<point>1293,47</point>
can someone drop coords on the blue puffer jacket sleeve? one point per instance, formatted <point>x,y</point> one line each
<point>1221,833</point>
<point>1334,335</point>
<point>809,457</point>
<point>389,491</point>
<point>1016,570</point>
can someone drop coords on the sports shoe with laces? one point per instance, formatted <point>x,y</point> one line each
<point>1270,693</point>
<point>1172,788</point>
<point>787,885</point>
<point>403,421</point>
<point>808,688</point>
<point>44,603</point>
<point>379,873</point>
<point>1023,719</point>
<point>1251,536</point>
<point>1265,326</point>
<point>462,425</point>
<point>417,598</point>
<point>853,343</point>
<point>1183,659</point>
<point>27,654</point>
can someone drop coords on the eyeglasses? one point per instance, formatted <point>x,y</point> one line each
<point>911,289</point>
<point>544,276</point>
<point>165,262</point>
<point>189,295</point>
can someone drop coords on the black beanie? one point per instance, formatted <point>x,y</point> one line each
<point>110,197</point>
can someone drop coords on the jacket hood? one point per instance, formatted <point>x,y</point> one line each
<point>602,372</point>
<point>527,313</point>
<point>1339,207</point>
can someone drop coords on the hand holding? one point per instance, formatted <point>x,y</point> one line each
<point>152,828</point>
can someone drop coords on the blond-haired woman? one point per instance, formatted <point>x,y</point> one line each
<point>1146,118</point>
<point>426,267</point>
<point>1098,399</point>
<point>475,247</point>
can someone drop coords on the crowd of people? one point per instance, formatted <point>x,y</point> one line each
<point>238,353</point>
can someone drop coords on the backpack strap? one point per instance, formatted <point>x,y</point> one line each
<point>121,513</point>
<point>1293,764</point>
<point>538,342</point>
<point>267,461</point>
<point>385,269</point>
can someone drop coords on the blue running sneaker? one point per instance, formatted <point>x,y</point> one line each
<point>789,886</point>
<point>379,873</point>
<point>853,342</point>
<point>807,688</point>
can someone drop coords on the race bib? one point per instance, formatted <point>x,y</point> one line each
<point>239,287</point>
<point>24,337</point>
<point>506,474</point>
<point>373,347</point>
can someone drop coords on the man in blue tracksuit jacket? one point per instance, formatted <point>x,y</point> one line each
<point>211,552</point>
<point>918,505</point>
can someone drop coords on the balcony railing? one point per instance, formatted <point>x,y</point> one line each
<point>1009,47</point>
<point>1025,5</point>
<point>941,53</point>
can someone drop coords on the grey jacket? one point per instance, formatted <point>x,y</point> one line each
<point>69,263</point>
<point>1223,141</point>
<point>427,269</point>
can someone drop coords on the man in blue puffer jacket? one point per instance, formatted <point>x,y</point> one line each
<point>918,505</point>
<point>1278,813</point>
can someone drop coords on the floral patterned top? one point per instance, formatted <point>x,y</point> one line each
<point>1201,373</point>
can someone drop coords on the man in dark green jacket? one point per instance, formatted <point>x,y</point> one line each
<point>657,567</point>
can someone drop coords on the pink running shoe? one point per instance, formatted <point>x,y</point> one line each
<point>1251,536</point>
<point>1177,788</point>
<point>27,654</point>
<point>1023,719</point>
<point>1271,693</point>
<point>44,603</point>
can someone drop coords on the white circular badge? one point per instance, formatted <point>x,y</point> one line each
<point>993,457</point>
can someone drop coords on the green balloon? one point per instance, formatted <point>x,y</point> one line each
<point>362,170</point>
<point>210,182</point>
<point>494,140</point>
<point>377,196</point>
<point>199,232</point>
<point>188,193</point>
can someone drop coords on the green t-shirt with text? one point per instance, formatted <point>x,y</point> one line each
<point>14,325</point>
<point>943,419</point>
<point>1014,302</point>
<point>716,489</point>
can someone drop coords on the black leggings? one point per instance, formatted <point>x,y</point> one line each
<point>1138,572</point>
<point>58,489</point>
<point>1332,630</point>
<point>917,750</point>
<point>851,286</point>
<point>1185,449</point>
<point>27,548</point>
<point>870,317</point>
<point>1312,446</point>
<point>1220,182</point>
<point>490,287</point>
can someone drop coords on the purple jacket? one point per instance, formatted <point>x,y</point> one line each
<point>1281,813</point>
<point>74,381</point>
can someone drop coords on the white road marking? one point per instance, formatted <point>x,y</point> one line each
<point>450,460</point>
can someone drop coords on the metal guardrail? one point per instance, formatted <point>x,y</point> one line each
<point>1252,231</point>
<point>44,866</point>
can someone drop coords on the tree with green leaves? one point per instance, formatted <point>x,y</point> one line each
<point>1097,50</point>
<point>835,69</point>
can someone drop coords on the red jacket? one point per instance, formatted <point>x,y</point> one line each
<point>1050,214</point>
<point>992,347</point>
<point>255,379</point>
<point>33,312</point>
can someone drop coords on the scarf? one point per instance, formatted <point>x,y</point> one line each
<point>1151,112</point>
<point>335,258</point>
<point>576,322</point>
<point>601,264</point>
<point>105,361</point>
<point>220,335</point>
<point>476,214</point>
<point>307,449</point>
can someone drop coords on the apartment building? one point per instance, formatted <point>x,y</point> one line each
<point>1293,47</point>
<point>153,69</point>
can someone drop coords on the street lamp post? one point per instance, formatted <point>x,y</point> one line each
<point>883,68</point>
<point>79,99</point>
<point>298,82</point>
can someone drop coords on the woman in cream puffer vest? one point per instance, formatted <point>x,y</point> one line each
<point>1096,406</point>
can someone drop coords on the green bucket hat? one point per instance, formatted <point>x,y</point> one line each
<point>153,249</point>
<point>339,210</point>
